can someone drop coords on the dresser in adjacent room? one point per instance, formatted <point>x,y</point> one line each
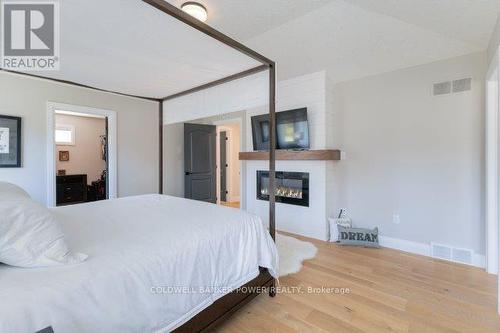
<point>71,189</point>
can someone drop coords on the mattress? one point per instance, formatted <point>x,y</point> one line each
<point>154,262</point>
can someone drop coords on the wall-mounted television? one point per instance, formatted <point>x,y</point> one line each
<point>292,130</point>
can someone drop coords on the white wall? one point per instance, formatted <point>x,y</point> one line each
<point>173,159</point>
<point>235,162</point>
<point>137,132</point>
<point>239,95</point>
<point>494,41</point>
<point>85,155</point>
<point>413,154</point>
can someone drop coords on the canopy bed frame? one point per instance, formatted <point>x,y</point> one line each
<point>228,304</point>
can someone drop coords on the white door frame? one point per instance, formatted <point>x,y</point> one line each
<point>239,121</point>
<point>229,169</point>
<point>112,176</point>
<point>492,169</point>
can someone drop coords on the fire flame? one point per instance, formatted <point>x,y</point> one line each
<point>283,191</point>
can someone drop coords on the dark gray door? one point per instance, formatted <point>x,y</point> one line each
<point>199,160</point>
<point>223,166</point>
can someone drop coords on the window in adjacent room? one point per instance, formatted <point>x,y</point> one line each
<point>65,135</point>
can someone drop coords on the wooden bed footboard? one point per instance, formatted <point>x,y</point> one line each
<point>225,306</point>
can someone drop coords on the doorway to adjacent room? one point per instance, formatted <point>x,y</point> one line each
<point>228,164</point>
<point>212,169</point>
<point>81,154</point>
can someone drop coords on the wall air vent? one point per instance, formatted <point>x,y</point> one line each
<point>445,252</point>
<point>462,85</point>
<point>442,88</point>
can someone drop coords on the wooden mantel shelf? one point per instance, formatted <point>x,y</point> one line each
<point>281,155</point>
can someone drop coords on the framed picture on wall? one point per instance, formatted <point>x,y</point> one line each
<point>63,155</point>
<point>10,142</point>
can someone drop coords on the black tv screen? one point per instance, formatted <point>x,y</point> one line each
<point>292,130</point>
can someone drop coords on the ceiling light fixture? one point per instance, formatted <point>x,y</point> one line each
<point>196,10</point>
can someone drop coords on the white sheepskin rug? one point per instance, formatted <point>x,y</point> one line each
<point>292,253</point>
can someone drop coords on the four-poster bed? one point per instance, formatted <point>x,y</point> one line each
<point>255,63</point>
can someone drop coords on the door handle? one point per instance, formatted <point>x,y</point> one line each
<point>188,173</point>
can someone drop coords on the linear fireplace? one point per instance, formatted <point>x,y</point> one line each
<point>291,187</point>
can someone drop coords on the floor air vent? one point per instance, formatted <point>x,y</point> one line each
<point>462,255</point>
<point>450,253</point>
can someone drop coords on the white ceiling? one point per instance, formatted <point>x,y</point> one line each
<point>471,21</point>
<point>138,50</point>
<point>243,19</point>
<point>141,51</point>
<point>355,38</point>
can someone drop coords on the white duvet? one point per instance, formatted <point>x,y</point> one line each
<point>154,262</point>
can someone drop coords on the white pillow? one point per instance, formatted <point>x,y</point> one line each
<point>31,237</point>
<point>10,191</point>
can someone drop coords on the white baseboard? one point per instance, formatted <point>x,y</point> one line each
<point>405,245</point>
<point>423,249</point>
<point>479,260</point>
<point>492,271</point>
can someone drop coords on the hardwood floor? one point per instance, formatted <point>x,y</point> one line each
<point>234,204</point>
<point>390,291</point>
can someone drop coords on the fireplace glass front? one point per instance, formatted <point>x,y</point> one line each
<point>291,187</point>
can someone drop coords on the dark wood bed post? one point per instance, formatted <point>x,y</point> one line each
<point>272,149</point>
<point>272,160</point>
<point>160,118</point>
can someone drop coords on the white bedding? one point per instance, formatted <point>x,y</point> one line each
<point>136,246</point>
